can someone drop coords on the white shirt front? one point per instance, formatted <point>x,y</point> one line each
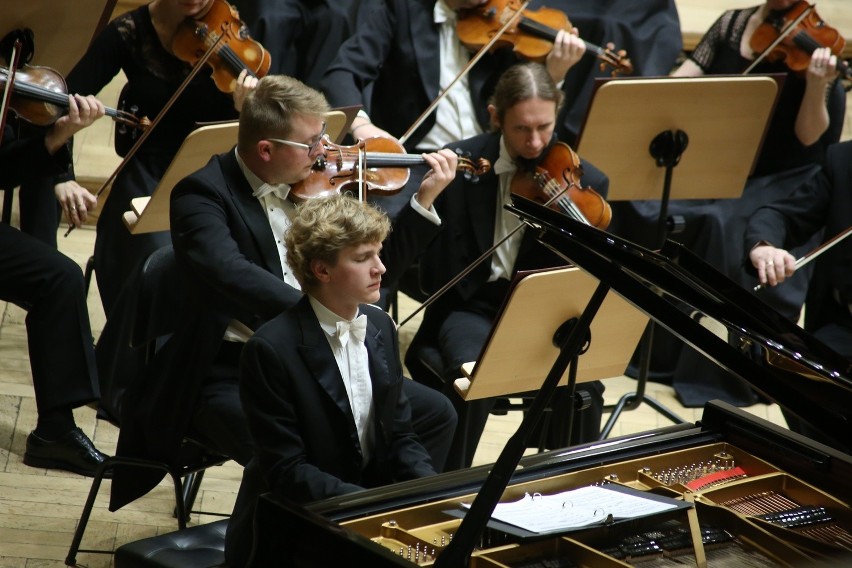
<point>503,259</point>
<point>455,118</point>
<point>352,360</point>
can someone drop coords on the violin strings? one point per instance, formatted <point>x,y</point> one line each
<point>226,53</point>
<point>568,207</point>
<point>52,97</point>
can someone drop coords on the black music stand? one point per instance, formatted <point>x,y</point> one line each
<point>721,119</point>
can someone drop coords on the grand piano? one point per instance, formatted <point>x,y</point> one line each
<point>756,494</point>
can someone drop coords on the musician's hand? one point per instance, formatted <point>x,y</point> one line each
<point>822,67</point>
<point>245,83</point>
<point>773,265</point>
<point>76,201</point>
<point>443,163</point>
<point>567,50</point>
<point>82,112</point>
<point>363,129</point>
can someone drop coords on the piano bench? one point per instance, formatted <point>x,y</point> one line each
<point>201,546</point>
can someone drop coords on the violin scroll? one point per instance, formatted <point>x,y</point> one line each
<point>471,169</point>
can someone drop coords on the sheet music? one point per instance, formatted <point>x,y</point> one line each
<point>575,509</point>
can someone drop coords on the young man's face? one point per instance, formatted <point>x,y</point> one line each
<point>292,164</point>
<point>527,127</point>
<point>356,276</point>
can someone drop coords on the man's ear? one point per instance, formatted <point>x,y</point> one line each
<point>319,269</point>
<point>264,150</point>
<point>492,115</point>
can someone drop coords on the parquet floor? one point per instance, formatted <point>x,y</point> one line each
<point>39,509</point>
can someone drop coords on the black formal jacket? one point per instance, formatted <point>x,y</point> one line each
<point>391,63</point>
<point>824,201</point>
<point>229,262</point>
<point>301,420</point>
<point>467,211</point>
<point>394,54</point>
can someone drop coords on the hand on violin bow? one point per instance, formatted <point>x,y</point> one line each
<point>567,50</point>
<point>443,163</point>
<point>245,84</point>
<point>773,265</point>
<point>76,201</point>
<point>82,112</point>
<point>362,129</point>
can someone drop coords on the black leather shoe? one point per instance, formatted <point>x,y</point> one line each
<point>72,452</point>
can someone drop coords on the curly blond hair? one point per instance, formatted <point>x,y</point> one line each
<point>324,226</point>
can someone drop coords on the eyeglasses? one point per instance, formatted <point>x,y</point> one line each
<point>311,148</point>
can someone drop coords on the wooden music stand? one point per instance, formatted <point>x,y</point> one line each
<point>520,351</point>
<point>62,31</point>
<point>151,214</point>
<point>721,119</point>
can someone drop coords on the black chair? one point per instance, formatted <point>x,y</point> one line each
<point>149,311</point>
<point>196,547</point>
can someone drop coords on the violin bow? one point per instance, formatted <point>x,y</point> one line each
<point>800,262</point>
<point>7,92</point>
<point>154,122</point>
<point>784,33</point>
<point>473,60</point>
<point>469,268</point>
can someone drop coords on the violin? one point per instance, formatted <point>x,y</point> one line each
<point>375,167</point>
<point>235,52</point>
<point>792,36</point>
<point>40,96</point>
<point>555,182</point>
<point>533,35</point>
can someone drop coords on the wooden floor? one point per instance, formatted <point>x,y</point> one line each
<point>39,509</point>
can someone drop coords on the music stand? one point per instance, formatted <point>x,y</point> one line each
<point>721,119</point>
<point>151,214</point>
<point>533,321</point>
<point>62,31</point>
<point>520,349</point>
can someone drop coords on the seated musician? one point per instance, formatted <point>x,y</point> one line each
<point>50,286</point>
<point>823,202</point>
<point>227,222</point>
<point>806,119</point>
<point>523,113</point>
<point>402,72</point>
<point>321,384</point>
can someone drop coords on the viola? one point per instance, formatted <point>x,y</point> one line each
<point>555,182</point>
<point>792,36</point>
<point>375,167</point>
<point>40,96</point>
<point>533,35</point>
<point>235,51</point>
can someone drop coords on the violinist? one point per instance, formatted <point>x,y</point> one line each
<point>523,114</point>
<point>808,117</point>
<point>227,225</point>
<point>824,202</point>
<point>811,107</point>
<point>139,43</point>
<point>49,285</point>
<point>406,71</point>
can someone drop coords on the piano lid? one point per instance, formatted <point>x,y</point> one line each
<point>773,354</point>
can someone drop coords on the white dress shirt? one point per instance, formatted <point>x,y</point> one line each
<point>350,353</point>
<point>503,259</point>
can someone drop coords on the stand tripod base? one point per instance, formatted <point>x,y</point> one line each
<point>631,401</point>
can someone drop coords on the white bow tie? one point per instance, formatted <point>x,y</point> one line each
<point>357,328</point>
<point>281,190</point>
<point>504,164</point>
